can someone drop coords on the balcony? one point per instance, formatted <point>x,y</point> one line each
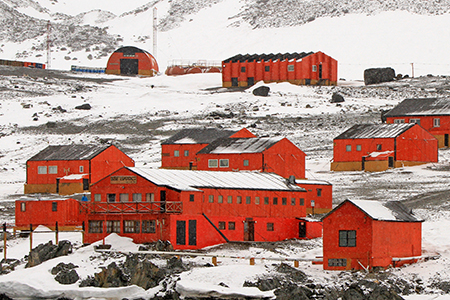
<point>156,207</point>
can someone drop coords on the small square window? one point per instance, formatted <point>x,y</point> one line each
<point>266,200</point>
<point>23,206</point>
<point>290,68</point>
<point>149,226</point>
<point>267,68</point>
<point>81,169</point>
<point>379,147</point>
<point>213,163</point>
<point>284,201</point>
<point>224,163</point>
<point>231,225</point>
<point>220,199</point>
<point>98,197</point>
<point>211,199</point>
<point>302,201</point>
<point>186,153</point>
<point>246,163</point>
<point>348,148</point>
<point>149,197</point>
<point>42,170</point>
<point>314,68</point>
<point>176,153</point>
<point>248,200</point>
<point>123,197</point>
<point>269,226</point>
<point>358,147</point>
<point>319,192</point>
<point>230,199</point>
<point>137,197</point>
<point>416,121</point>
<point>95,226</point>
<point>238,199</point>
<point>437,122</point>
<point>113,226</point>
<point>111,197</point>
<point>292,201</point>
<point>222,225</point>
<point>242,69</point>
<point>257,200</point>
<point>275,201</point>
<point>191,197</point>
<point>54,206</point>
<point>399,121</point>
<point>347,238</point>
<point>53,170</point>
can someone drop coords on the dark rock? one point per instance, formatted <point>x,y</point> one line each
<point>9,265</point>
<point>337,98</point>
<point>85,106</point>
<point>44,252</point>
<point>378,75</point>
<point>112,276</point>
<point>60,109</point>
<point>175,265</point>
<point>293,273</point>
<point>62,267</point>
<point>383,293</point>
<point>51,125</point>
<point>143,272</point>
<point>223,284</point>
<point>353,293</point>
<point>4,297</point>
<point>261,91</point>
<point>264,284</point>
<point>444,286</point>
<point>163,246</point>
<point>67,277</point>
<point>292,291</point>
<point>89,281</point>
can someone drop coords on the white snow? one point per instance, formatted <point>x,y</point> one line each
<point>375,209</point>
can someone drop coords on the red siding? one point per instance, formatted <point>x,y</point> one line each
<point>417,144</point>
<point>146,62</point>
<point>107,162</point>
<point>340,154</point>
<point>170,161</point>
<point>65,167</point>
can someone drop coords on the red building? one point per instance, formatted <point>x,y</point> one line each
<point>195,209</point>
<point>377,147</point>
<point>274,155</point>
<point>70,169</point>
<point>180,150</point>
<point>431,113</point>
<point>319,195</point>
<point>131,61</point>
<point>297,68</point>
<point>367,234</point>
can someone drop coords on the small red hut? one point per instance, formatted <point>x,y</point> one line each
<point>366,234</point>
<point>377,147</point>
<point>131,61</point>
<point>297,68</point>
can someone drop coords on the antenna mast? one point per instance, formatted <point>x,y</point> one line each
<point>48,45</point>
<point>155,30</point>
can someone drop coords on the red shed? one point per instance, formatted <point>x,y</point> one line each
<point>377,147</point>
<point>297,68</point>
<point>131,61</point>
<point>432,114</point>
<point>319,195</point>
<point>367,234</point>
<point>276,155</point>
<point>194,209</point>
<point>70,169</point>
<point>180,150</point>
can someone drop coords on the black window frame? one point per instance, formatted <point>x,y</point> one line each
<point>347,238</point>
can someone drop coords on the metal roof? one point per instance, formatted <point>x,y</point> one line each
<point>386,211</point>
<point>374,131</point>
<point>69,152</point>
<point>421,107</point>
<point>240,145</point>
<point>197,136</point>
<point>267,57</point>
<point>188,180</point>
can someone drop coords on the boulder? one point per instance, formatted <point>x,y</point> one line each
<point>378,75</point>
<point>143,272</point>
<point>67,277</point>
<point>62,267</point>
<point>85,106</point>
<point>112,276</point>
<point>44,252</point>
<point>261,91</point>
<point>337,98</point>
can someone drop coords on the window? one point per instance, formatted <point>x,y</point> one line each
<point>292,201</point>
<point>348,148</point>
<point>248,200</point>
<point>242,69</point>
<point>54,169</point>
<point>284,201</point>
<point>149,226</point>
<point>137,197</point>
<point>257,200</point>
<point>150,197</point>
<point>98,197</point>
<point>81,169</point>
<point>267,68</point>
<point>212,163</point>
<point>211,199</point>
<point>399,121</point>
<point>275,201</point>
<point>113,226</point>
<point>224,163</point>
<point>314,68</point>
<point>42,170</point>
<point>131,226</point>
<point>221,225</point>
<point>379,147</point>
<point>337,262</point>
<point>291,68</point>
<point>416,121</point>
<point>319,192</point>
<point>95,226</point>
<point>176,153</point>
<point>220,199</point>
<point>191,197</point>
<point>347,238</point>
<point>231,226</point>
<point>230,199</point>
<point>358,147</point>
<point>269,226</point>
<point>437,122</point>
<point>238,199</point>
<point>246,163</point>
<point>302,201</point>
<point>186,153</point>
<point>54,206</point>
<point>266,200</point>
<point>123,197</point>
<point>23,206</point>
<point>111,197</point>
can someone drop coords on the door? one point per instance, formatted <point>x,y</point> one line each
<point>320,71</point>
<point>181,232</point>
<point>129,66</point>
<point>192,232</point>
<point>446,140</point>
<point>363,162</point>
<point>249,230</point>
<point>250,81</point>
<point>234,81</point>
<point>301,229</point>
<point>162,197</point>
<point>85,184</point>
<point>391,162</point>
<point>57,185</point>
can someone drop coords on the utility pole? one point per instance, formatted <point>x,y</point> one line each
<point>48,45</point>
<point>155,31</point>
<point>412,70</point>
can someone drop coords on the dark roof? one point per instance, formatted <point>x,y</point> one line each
<point>266,57</point>
<point>130,50</point>
<point>69,152</point>
<point>421,107</point>
<point>374,131</point>
<point>242,145</point>
<point>198,136</point>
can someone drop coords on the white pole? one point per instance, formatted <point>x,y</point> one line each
<point>48,45</point>
<point>155,31</point>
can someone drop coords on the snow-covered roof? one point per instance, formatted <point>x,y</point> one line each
<point>385,211</point>
<point>75,176</point>
<point>197,136</point>
<point>267,57</point>
<point>309,181</point>
<point>188,180</point>
<point>69,152</point>
<point>374,131</point>
<point>242,145</point>
<point>421,107</point>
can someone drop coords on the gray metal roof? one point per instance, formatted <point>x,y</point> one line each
<point>421,107</point>
<point>386,211</point>
<point>374,131</point>
<point>69,152</point>
<point>241,145</point>
<point>188,180</point>
<point>198,136</point>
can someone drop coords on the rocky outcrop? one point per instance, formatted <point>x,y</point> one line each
<point>65,273</point>
<point>261,91</point>
<point>378,75</point>
<point>48,251</point>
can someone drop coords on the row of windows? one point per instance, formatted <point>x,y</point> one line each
<point>129,226</point>
<point>232,226</point>
<point>257,200</point>
<point>348,148</point>
<point>53,169</point>
<point>436,121</point>
<point>176,153</point>
<point>23,206</point>
<point>224,163</point>
<point>124,197</point>
<point>290,68</point>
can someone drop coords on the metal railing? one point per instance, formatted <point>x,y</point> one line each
<point>155,207</point>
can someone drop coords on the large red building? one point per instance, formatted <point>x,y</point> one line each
<point>195,209</point>
<point>297,68</point>
<point>377,147</point>
<point>432,114</point>
<point>70,169</point>
<point>366,234</point>
<point>131,61</point>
